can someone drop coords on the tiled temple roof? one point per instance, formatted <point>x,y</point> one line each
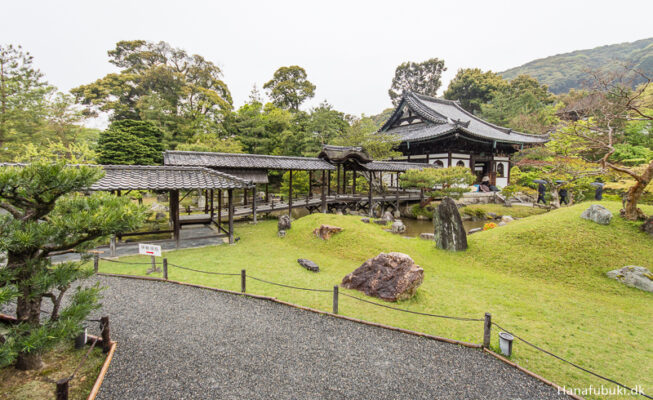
<point>247,161</point>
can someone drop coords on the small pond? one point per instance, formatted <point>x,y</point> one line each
<point>415,226</point>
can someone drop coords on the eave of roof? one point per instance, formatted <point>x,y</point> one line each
<point>244,161</point>
<point>438,123</point>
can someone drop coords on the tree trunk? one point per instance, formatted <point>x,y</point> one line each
<point>28,310</point>
<point>631,212</point>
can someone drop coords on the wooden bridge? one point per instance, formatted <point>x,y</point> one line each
<point>312,203</point>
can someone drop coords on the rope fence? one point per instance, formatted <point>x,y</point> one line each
<point>488,323</point>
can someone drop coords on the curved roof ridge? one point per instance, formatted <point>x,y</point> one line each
<point>215,153</point>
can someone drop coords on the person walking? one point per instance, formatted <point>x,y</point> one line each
<point>563,196</point>
<point>541,192</point>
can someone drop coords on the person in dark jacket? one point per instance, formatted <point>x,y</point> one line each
<point>541,192</point>
<point>563,196</point>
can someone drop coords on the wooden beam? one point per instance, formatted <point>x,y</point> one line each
<point>338,181</point>
<point>329,183</point>
<point>230,200</point>
<point>267,192</point>
<point>290,193</point>
<point>244,197</point>
<point>353,187</point>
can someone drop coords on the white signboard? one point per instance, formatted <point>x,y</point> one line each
<point>149,249</point>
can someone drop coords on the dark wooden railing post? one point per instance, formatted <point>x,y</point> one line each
<point>96,263</point>
<point>335,299</point>
<point>106,334</point>
<point>290,193</point>
<point>243,281</point>
<point>487,330</point>
<point>62,389</point>
<point>165,268</point>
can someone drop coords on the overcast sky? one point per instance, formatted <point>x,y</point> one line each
<point>350,49</point>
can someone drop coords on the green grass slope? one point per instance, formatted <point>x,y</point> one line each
<point>566,71</point>
<point>542,277</point>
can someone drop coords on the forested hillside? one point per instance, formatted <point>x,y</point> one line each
<point>568,71</point>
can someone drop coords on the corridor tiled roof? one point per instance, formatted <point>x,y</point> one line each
<point>392,166</point>
<point>249,161</point>
<point>155,177</point>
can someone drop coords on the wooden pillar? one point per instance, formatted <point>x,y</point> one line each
<point>329,183</point>
<point>254,202</point>
<point>397,193</point>
<point>230,200</point>
<point>369,194</point>
<point>174,214</point>
<point>344,179</point>
<point>323,195</point>
<point>267,192</point>
<point>219,209</point>
<point>244,197</point>
<point>353,187</point>
<point>290,193</point>
<point>310,184</point>
<point>206,201</point>
<point>212,209</point>
<point>338,181</point>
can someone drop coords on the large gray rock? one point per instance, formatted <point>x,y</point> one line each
<point>597,213</point>
<point>507,219</point>
<point>634,276</point>
<point>308,264</point>
<point>284,222</point>
<point>426,236</point>
<point>388,276</point>
<point>388,216</point>
<point>325,232</point>
<point>648,226</point>
<point>448,227</point>
<point>398,227</point>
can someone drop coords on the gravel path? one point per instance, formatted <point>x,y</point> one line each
<point>179,342</point>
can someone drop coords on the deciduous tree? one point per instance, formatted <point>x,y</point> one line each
<point>473,88</point>
<point>289,87</point>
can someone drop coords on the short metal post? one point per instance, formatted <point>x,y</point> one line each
<point>62,389</point>
<point>96,263</point>
<point>153,259</point>
<point>106,334</point>
<point>112,246</point>
<point>243,281</point>
<point>487,330</point>
<point>335,299</point>
<point>165,268</point>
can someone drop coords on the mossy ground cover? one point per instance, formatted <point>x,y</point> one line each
<point>542,277</point>
<point>59,363</point>
<point>482,210</point>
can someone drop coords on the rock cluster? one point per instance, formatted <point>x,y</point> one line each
<point>634,276</point>
<point>325,232</point>
<point>284,222</point>
<point>388,276</point>
<point>449,231</point>
<point>398,227</point>
<point>597,213</point>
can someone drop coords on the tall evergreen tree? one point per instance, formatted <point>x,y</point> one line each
<point>289,87</point>
<point>44,215</point>
<point>131,142</point>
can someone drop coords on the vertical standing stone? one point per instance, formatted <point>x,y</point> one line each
<point>448,227</point>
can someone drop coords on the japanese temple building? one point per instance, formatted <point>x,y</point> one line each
<point>442,133</point>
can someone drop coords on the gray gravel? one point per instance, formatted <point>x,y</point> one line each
<point>178,342</point>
